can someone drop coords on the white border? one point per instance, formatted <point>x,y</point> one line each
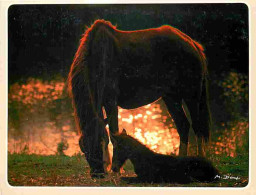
<point>5,188</point>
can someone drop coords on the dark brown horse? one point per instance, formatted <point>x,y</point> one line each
<point>133,68</point>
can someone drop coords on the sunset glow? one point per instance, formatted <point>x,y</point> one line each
<point>40,135</point>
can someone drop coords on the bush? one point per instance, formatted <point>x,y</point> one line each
<point>229,97</point>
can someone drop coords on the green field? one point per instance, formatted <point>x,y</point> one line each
<point>56,170</point>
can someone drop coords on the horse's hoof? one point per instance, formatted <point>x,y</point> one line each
<point>115,170</point>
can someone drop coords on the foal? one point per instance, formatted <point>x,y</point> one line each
<point>153,167</point>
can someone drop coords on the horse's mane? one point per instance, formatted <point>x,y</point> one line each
<point>79,56</point>
<point>101,22</point>
<point>78,75</point>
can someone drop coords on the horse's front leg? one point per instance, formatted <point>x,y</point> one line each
<point>112,119</point>
<point>107,161</point>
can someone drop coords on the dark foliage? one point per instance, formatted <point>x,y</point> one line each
<point>43,38</point>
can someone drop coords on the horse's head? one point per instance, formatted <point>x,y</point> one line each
<point>91,150</point>
<point>121,152</point>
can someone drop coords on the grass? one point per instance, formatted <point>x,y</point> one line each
<point>57,170</point>
<point>60,170</point>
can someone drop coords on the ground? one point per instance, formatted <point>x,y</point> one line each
<point>57,170</point>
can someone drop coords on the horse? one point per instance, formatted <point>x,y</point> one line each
<point>153,167</point>
<point>130,69</point>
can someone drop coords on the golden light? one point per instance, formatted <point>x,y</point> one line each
<point>150,124</point>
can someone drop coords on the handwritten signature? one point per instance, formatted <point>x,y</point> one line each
<point>226,177</point>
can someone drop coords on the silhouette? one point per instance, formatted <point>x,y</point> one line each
<point>130,69</point>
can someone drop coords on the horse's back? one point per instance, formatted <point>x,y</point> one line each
<point>148,41</point>
<point>155,62</point>
<point>151,63</point>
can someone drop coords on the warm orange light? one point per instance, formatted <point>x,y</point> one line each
<point>147,124</point>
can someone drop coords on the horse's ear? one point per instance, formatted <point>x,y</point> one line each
<point>124,132</point>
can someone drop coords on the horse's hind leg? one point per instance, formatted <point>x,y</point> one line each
<point>197,124</point>
<point>174,107</point>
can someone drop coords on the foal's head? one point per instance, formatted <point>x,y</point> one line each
<point>121,150</point>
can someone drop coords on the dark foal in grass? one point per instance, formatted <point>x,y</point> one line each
<point>153,167</point>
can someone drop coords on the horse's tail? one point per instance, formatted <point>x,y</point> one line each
<point>204,108</point>
<point>205,113</point>
<point>86,86</point>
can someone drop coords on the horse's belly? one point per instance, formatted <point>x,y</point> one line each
<point>134,96</point>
